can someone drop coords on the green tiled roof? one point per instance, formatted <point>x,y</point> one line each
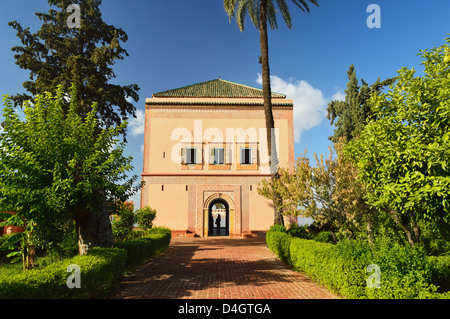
<point>216,88</point>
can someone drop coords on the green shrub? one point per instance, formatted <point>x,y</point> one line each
<point>123,222</point>
<point>142,249</point>
<point>279,243</point>
<point>440,274</point>
<point>145,217</point>
<point>100,269</point>
<point>405,272</point>
<point>324,237</point>
<point>299,231</point>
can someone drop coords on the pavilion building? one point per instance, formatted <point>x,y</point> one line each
<point>205,151</point>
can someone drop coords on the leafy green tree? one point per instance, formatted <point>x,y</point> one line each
<point>261,12</point>
<point>57,167</point>
<point>404,156</point>
<point>329,192</point>
<point>351,115</point>
<point>58,55</point>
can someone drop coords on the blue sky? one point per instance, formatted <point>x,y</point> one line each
<point>176,43</point>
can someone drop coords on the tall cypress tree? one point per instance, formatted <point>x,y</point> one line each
<point>351,115</point>
<point>58,54</point>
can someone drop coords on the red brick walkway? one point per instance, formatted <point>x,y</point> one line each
<point>218,268</point>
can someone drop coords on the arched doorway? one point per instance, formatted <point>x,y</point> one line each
<point>218,218</point>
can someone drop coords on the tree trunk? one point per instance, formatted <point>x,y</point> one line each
<point>370,230</point>
<point>104,229</point>
<point>29,257</point>
<point>404,226</point>
<point>86,226</point>
<point>267,96</point>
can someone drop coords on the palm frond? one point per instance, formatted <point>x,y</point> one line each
<point>303,5</point>
<point>240,9</point>
<point>241,13</point>
<point>253,10</point>
<point>272,15</point>
<point>285,12</point>
<point>229,6</point>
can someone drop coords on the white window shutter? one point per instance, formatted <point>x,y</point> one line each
<point>183,155</point>
<point>227,155</point>
<point>211,155</point>
<point>254,155</point>
<point>198,155</point>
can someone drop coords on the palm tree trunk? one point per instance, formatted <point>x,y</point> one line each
<point>267,96</point>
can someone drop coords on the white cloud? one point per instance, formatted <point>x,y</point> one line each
<point>310,105</point>
<point>137,125</point>
<point>338,96</point>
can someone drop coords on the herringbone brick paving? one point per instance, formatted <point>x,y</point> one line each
<point>218,268</point>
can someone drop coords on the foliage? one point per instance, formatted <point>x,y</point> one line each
<point>100,270</point>
<point>295,230</point>
<point>351,115</point>
<point>324,237</point>
<point>329,192</point>
<point>406,272</point>
<point>441,271</point>
<point>22,244</point>
<point>53,166</point>
<point>240,8</point>
<point>58,55</point>
<point>142,249</point>
<point>145,217</point>
<point>123,220</point>
<point>278,242</point>
<point>404,156</point>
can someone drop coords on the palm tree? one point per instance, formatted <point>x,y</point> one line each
<point>261,12</point>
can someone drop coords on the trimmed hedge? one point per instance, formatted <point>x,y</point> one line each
<point>100,270</point>
<point>405,272</point>
<point>142,249</point>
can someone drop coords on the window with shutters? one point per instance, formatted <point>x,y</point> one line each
<point>191,157</point>
<point>247,154</point>
<point>191,153</point>
<point>219,156</point>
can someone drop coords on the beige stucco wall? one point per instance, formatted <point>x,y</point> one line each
<point>167,130</point>
<point>171,205</point>
<point>261,212</point>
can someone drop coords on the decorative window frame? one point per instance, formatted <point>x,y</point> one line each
<point>254,156</point>
<point>227,156</point>
<point>198,165</point>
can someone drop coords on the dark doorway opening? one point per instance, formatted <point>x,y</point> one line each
<point>218,218</point>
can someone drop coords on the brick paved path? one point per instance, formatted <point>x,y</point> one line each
<point>218,268</point>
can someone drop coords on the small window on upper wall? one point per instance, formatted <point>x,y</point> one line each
<point>219,156</point>
<point>191,155</point>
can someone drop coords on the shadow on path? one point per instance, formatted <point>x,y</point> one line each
<point>217,268</point>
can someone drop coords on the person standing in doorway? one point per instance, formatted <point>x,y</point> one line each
<point>218,221</point>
